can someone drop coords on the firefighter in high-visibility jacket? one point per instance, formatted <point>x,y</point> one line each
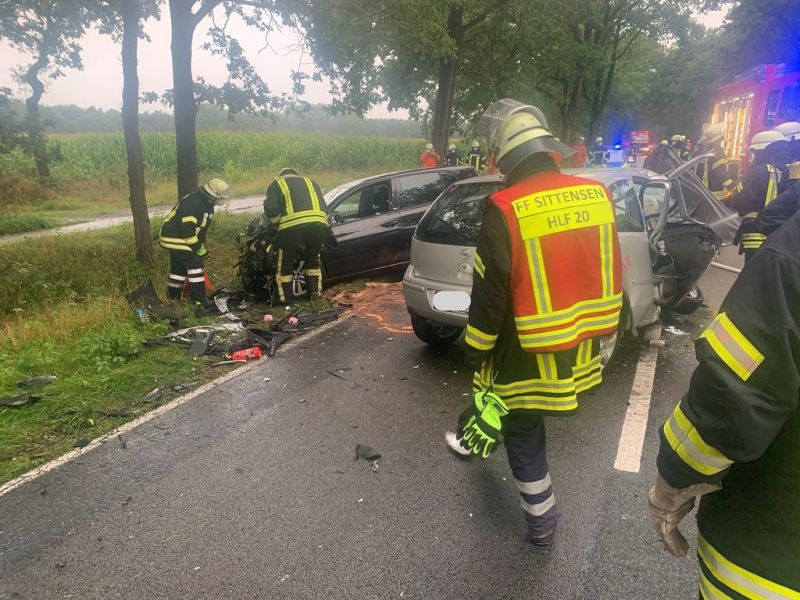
<point>475,158</point>
<point>183,234</point>
<point>760,187</point>
<point>296,206</point>
<point>714,173</point>
<point>546,286</point>
<point>734,439</point>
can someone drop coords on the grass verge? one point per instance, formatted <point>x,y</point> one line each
<point>64,313</point>
<point>10,224</point>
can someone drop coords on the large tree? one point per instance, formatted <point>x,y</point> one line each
<point>123,20</point>
<point>49,31</point>
<point>243,91</point>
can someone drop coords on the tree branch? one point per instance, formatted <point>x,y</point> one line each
<point>203,11</point>
<point>483,16</point>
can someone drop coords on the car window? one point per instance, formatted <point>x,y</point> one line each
<point>626,205</point>
<point>366,202</point>
<point>418,189</point>
<point>455,218</point>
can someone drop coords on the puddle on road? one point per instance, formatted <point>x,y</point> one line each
<point>382,304</point>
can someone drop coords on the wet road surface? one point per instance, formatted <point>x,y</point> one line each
<point>251,491</point>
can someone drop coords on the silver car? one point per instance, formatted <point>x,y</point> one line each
<point>664,248</point>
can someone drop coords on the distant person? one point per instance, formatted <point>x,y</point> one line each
<point>452,158</point>
<point>183,235</point>
<point>770,154</point>
<point>296,205</point>
<point>715,172</point>
<point>598,152</point>
<point>578,160</point>
<point>429,158</point>
<point>476,159</point>
<point>678,143</point>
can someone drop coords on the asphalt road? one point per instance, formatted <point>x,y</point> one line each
<point>251,490</point>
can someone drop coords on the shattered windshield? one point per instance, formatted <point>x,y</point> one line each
<point>456,217</point>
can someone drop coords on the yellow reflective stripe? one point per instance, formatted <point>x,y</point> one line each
<point>719,163</point>
<point>313,272</point>
<point>301,218</point>
<point>570,333</point>
<point>584,352</point>
<point>772,186</point>
<point>541,290</point>
<point>312,193</point>
<point>732,347</point>
<point>708,591</point>
<point>174,246</point>
<point>546,364</point>
<point>566,218</point>
<point>480,269</point>
<point>566,315</point>
<point>480,340</point>
<point>687,443</point>
<point>189,219</point>
<point>287,195</point>
<point>170,240</point>
<point>534,402</point>
<point>555,386</point>
<point>739,579</point>
<point>607,260</point>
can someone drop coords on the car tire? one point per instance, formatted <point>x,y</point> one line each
<point>434,334</point>
<point>610,344</point>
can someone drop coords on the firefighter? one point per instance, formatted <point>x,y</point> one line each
<point>678,143</point>
<point>476,160</point>
<point>769,152</point>
<point>791,133</point>
<point>533,331</point>
<point>183,234</point>
<point>452,159</point>
<point>578,159</point>
<point>598,152</point>
<point>429,158</point>
<point>734,438</point>
<point>714,172</point>
<point>785,205</point>
<point>296,206</point>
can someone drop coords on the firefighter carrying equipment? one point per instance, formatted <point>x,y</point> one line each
<point>481,431</point>
<point>739,427</point>
<point>292,201</point>
<point>668,506</point>
<point>555,220</point>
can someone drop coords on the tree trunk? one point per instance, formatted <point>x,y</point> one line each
<point>184,103</point>
<point>603,89</point>
<point>446,88</point>
<point>131,14</point>
<point>33,120</point>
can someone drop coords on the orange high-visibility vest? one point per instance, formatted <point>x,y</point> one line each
<point>566,276</point>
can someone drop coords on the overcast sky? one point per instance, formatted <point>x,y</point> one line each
<point>100,82</point>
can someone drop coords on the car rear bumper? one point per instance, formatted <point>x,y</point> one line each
<point>418,293</point>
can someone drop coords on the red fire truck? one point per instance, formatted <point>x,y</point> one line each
<point>755,101</point>
<point>638,143</point>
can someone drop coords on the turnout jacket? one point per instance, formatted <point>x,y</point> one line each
<point>759,188</point>
<point>715,176</point>
<point>739,426</point>
<point>186,225</point>
<point>534,318</point>
<point>476,160</point>
<point>292,201</point>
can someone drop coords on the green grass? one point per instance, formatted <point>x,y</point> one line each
<point>69,318</point>
<point>10,224</point>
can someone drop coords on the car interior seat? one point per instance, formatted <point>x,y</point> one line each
<point>380,201</point>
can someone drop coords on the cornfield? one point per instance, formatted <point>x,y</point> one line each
<point>231,154</point>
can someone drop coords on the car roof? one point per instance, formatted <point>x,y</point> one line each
<point>352,184</point>
<point>602,175</point>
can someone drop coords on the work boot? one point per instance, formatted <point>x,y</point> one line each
<point>542,541</point>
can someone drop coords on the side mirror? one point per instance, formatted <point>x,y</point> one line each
<point>450,301</point>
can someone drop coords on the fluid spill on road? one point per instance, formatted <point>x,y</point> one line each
<point>382,304</point>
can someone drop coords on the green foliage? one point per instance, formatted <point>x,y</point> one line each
<point>111,346</point>
<point>21,223</point>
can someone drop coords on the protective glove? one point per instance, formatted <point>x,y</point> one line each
<point>480,432</point>
<point>668,506</point>
<point>202,252</point>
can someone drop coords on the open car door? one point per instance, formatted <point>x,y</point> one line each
<point>686,228</point>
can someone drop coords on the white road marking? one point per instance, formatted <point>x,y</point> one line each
<point>157,412</point>
<point>631,442</point>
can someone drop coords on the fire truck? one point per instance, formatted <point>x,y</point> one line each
<point>757,100</point>
<point>639,143</point>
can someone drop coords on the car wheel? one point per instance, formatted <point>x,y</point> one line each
<point>434,334</point>
<point>609,344</point>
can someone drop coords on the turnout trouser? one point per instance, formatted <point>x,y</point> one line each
<point>524,438</point>
<point>183,266</point>
<point>307,241</point>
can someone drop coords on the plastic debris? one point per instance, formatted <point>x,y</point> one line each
<point>374,466</point>
<point>81,443</point>
<point>674,330</point>
<point>201,342</point>
<point>658,343</point>
<point>268,318</point>
<point>21,400</point>
<point>155,394</point>
<point>367,453</point>
<point>40,381</point>
<point>293,320</point>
